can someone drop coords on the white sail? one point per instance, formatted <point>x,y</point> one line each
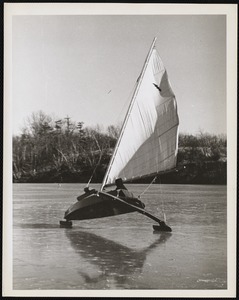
<point>149,137</point>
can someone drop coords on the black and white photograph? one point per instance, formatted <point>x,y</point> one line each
<point>119,150</point>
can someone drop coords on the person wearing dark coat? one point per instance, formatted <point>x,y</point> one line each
<point>119,184</point>
<point>123,193</point>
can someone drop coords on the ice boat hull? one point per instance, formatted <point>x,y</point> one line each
<point>99,206</point>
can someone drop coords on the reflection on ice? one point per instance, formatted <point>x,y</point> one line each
<point>114,261</point>
<point>37,226</point>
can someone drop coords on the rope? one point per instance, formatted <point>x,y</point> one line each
<point>148,186</point>
<point>95,169</point>
<point>164,215</point>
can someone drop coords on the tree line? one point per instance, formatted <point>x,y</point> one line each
<point>49,150</point>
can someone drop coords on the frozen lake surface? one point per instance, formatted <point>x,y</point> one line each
<point>120,252</point>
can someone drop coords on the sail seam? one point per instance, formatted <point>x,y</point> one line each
<point>168,130</point>
<point>170,99</point>
<point>167,158</point>
<point>141,116</point>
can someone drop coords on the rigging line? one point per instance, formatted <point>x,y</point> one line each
<point>95,169</point>
<point>162,201</point>
<point>117,120</point>
<point>148,186</point>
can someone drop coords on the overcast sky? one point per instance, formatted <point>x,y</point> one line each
<point>86,66</point>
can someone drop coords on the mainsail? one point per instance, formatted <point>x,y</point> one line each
<point>148,141</point>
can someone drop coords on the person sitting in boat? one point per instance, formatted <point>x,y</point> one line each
<point>121,189</point>
<point>123,193</point>
<point>119,184</point>
<point>88,191</point>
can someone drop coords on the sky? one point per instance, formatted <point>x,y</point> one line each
<point>86,66</point>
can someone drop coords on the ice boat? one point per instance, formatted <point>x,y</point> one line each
<point>147,146</point>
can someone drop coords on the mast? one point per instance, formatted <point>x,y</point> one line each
<point>128,113</point>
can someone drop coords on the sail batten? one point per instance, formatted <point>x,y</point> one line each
<point>149,136</point>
